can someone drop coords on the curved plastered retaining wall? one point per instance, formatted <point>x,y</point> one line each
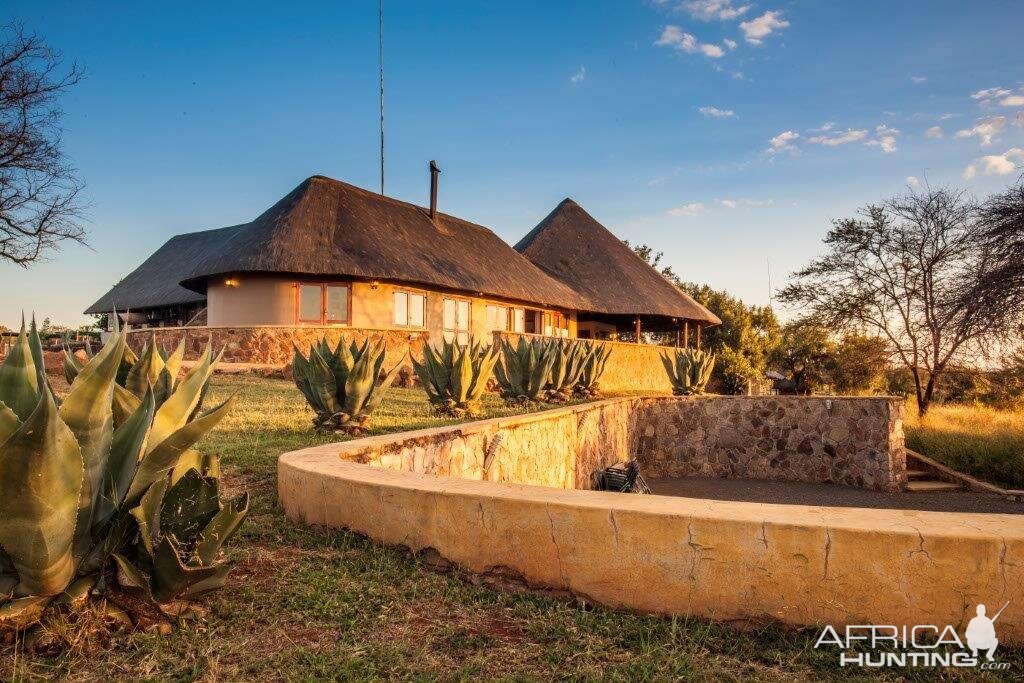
<point>717,559</point>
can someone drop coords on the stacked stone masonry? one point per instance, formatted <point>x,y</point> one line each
<point>853,441</point>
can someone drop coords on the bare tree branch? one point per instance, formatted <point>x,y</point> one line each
<point>39,190</point>
<point>911,270</point>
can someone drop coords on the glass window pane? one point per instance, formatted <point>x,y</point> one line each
<point>463,315</point>
<point>309,303</point>
<point>449,315</point>
<point>463,338</point>
<point>337,304</point>
<point>417,308</point>
<point>401,316</point>
<point>518,320</point>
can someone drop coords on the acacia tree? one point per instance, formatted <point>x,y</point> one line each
<point>908,269</point>
<point>39,191</point>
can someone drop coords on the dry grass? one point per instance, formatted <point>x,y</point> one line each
<point>981,441</point>
<point>310,603</point>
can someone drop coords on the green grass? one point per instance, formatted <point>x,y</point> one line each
<point>984,442</point>
<point>309,603</point>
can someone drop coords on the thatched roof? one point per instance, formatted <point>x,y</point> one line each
<point>329,228</point>
<point>573,247</point>
<point>155,282</point>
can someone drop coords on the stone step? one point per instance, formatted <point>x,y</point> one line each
<point>931,485</point>
<point>913,475</point>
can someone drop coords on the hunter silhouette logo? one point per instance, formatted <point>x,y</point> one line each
<point>981,632</point>
<point>923,645</point>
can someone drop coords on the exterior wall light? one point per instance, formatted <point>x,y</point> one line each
<point>230,282</point>
<point>374,285</point>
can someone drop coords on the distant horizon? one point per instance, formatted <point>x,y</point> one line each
<point>726,135</point>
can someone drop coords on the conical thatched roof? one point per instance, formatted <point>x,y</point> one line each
<point>573,247</point>
<point>329,228</point>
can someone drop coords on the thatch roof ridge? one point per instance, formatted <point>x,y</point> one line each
<point>572,246</point>
<point>325,227</point>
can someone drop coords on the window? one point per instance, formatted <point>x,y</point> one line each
<point>455,321</point>
<point>497,318</point>
<point>319,304</point>
<point>410,309</point>
<point>518,320</point>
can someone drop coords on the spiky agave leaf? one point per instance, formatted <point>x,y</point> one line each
<point>19,380</point>
<point>41,479</point>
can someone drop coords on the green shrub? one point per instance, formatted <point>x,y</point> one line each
<point>589,383</point>
<point>524,370</point>
<point>455,377</point>
<point>341,386</point>
<point>689,370</point>
<point>81,481</point>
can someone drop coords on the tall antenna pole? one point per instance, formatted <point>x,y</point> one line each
<point>769,262</point>
<point>380,56</point>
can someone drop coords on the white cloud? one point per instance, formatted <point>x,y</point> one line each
<point>1012,101</point>
<point>709,10</point>
<point>731,44</point>
<point>885,137</point>
<point>716,113</point>
<point>756,30</point>
<point>783,142</point>
<point>934,133</point>
<point>837,139</point>
<point>579,76</point>
<point>691,209</point>
<point>912,181</point>
<point>985,130</point>
<point>988,94</point>
<point>736,203</point>
<point>918,80</point>
<point>997,164</point>
<point>827,126</point>
<point>677,39</point>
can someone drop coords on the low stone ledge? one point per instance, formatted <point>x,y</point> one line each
<point>718,559</point>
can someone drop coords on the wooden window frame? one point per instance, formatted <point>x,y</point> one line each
<point>297,301</point>
<point>469,322</point>
<point>508,315</point>
<point>408,293</point>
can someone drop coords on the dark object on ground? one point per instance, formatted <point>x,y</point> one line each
<point>623,477</point>
<point>830,495</point>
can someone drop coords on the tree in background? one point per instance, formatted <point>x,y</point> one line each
<point>39,206</point>
<point>805,353</point>
<point>858,365</point>
<point>744,340</point>
<point>908,270</point>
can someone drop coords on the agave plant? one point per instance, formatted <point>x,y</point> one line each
<point>524,370</point>
<point>566,370</point>
<point>341,386</point>
<point>76,478</point>
<point>596,356</point>
<point>154,368</point>
<point>689,371</point>
<point>455,377</point>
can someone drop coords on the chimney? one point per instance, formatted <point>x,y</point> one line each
<point>434,172</point>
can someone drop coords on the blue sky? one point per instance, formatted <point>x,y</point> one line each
<point>727,134</point>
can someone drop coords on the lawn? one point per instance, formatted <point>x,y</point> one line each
<point>309,603</point>
<point>978,440</point>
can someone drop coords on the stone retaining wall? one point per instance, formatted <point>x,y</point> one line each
<point>557,448</point>
<point>854,441</point>
<point>272,345</point>
<point>841,440</point>
<point>716,559</point>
